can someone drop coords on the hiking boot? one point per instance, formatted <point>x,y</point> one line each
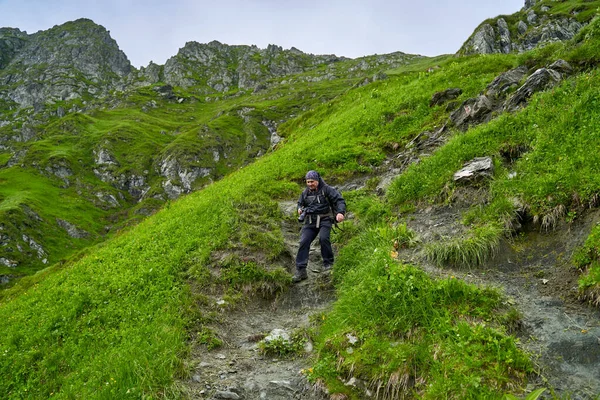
<point>300,276</point>
<point>327,268</point>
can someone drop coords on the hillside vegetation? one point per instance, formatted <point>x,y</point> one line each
<point>118,319</point>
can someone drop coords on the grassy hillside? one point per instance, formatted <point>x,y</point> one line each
<point>55,175</point>
<point>117,320</point>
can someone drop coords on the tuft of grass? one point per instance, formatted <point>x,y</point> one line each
<point>587,259</point>
<point>474,250</point>
<point>283,347</point>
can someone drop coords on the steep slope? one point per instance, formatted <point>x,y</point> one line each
<point>121,320</point>
<point>101,145</point>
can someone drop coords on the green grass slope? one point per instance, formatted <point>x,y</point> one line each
<point>115,323</point>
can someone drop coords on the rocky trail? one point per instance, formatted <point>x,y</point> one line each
<point>238,369</point>
<point>533,270</point>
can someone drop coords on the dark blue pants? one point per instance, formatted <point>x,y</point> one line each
<point>308,234</point>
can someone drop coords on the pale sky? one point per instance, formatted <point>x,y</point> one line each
<point>154,30</point>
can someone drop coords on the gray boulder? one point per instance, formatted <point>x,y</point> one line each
<point>473,111</point>
<point>541,79</point>
<point>477,168</point>
<point>505,82</point>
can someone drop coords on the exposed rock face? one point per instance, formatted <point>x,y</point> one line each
<point>71,229</point>
<point>535,27</point>
<point>65,62</point>
<point>180,178</point>
<point>11,41</point>
<point>541,79</point>
<point>211,62</point>
<point>496,98</point>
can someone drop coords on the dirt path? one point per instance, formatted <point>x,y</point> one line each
<point>238,370</point>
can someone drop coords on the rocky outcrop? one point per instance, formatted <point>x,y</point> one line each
<point>66,62</point>
<point>534,26</point>
<point>11,41</point>
<point>72,230</point>
<point>498,98</point>
<point>219,67</point>
<point>541,79</point>
<point>180,177</point>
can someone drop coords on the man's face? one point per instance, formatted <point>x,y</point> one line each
<point>312,184</point>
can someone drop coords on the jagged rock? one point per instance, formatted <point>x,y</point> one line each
<point>153,72</point>
<point>475,169</point>
<point>483,41</point>
<point>8,263</point>
<point>11,41</point>
<point>72,230</point>
<point>444,96</point>
<point>504,39</point>
<point>166,91</point>
<point>35,246</point>
<point>253,66</point>
<point>530,3</point>
<point>541,79</point>
<point>561,66</point>
<point>103,157</point>
<point>522,27</point>
<point>108,199</point>
<point>505,81</point>
<point>272,127</point>
<point>61,170</point>
<point>172,169</point>
<point>532,17</point>
<point>26,134</point>
<point>473,111</point>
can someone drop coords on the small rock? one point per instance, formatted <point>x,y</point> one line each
<point>351,338</point>
<point>220,394</point>
<point>478,167</point>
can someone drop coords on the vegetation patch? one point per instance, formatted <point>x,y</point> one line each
<point>480,245</point>
<point>403,334</point>
<point>587,259</point>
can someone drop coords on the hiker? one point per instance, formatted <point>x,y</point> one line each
<point>318,205</point>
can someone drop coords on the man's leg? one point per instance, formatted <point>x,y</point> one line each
<point>325,241</point>
<point>308,234</point>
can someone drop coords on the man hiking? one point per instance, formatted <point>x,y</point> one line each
<point>318,205</point>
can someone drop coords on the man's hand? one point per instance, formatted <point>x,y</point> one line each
<point>339,217</point>
<point>299,211</point>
